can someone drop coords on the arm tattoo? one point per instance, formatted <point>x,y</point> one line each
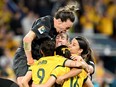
<point>27,46</point>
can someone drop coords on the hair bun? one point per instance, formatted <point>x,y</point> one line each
<point>72,6</point>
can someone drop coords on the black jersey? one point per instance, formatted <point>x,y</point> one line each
<point>93,65</point>
<point>44,29</point>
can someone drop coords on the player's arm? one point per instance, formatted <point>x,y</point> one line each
<point>90,64</point>
<point>26,79</point>
<point>72,73</point>
<point>27,41</point>
<point>88,83</point>
<point>78,64</point>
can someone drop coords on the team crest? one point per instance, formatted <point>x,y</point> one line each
<point>41,29</point>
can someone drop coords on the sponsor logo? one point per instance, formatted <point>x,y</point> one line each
<point>41,29</point>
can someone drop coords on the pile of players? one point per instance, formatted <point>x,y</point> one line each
<point>47,58</point>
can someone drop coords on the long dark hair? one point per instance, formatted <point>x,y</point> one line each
<point>87,53</point>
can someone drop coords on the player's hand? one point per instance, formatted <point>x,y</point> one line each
<point>30,61</point>
<point>60,80</point>
<point>76,57</point>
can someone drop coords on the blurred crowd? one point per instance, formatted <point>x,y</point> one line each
<point>17,16</point>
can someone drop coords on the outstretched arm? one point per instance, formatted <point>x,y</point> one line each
<point>27,41</point>
<point>78,64</point>
<point>72,73</point>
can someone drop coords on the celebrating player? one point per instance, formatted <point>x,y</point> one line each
<point>45,27</point>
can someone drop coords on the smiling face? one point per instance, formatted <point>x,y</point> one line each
<point>61,39</point>
<point>62,26</point>
<point>74,47</point>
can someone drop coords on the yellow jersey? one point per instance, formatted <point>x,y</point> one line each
<point>42,68</point>
<point>76,81</point>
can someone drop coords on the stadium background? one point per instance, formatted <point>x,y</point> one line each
<point>96,20</point>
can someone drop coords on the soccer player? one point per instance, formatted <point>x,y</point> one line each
<point>41,70</point>
<point>44,27</point>
<point>76,81</point>
<point>63,39</point>
<point>78,46</point>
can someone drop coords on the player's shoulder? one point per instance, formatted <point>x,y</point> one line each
<point>47,21</point>
<point>58,56</point>
<point>46,18</point>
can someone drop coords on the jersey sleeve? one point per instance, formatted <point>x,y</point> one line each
<point>41,27</point>
<point>59,71</point>
<point>85,79</point>
<point>30,68</point>
<point>55,72</point>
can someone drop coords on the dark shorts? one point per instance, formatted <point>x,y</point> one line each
<point>20,63</point>
<point>7,83</point>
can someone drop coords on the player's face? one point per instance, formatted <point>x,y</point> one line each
<point>61,39</point>
<point>62,26</point>
<point>74,47</point>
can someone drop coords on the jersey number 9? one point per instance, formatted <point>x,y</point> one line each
<point>41,74</point>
